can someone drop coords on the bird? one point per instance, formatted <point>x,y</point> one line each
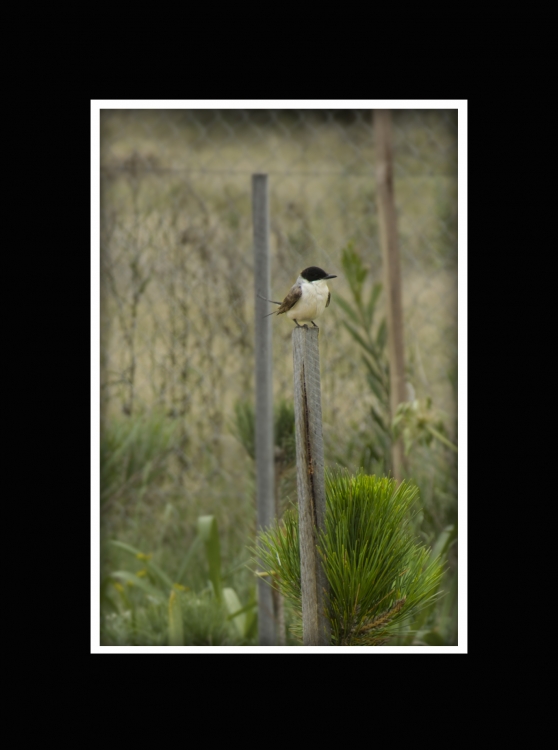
<point>308,298</point>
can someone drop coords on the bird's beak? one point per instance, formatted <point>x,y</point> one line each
<point>331,276</point>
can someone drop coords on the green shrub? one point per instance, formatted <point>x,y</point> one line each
<point>380,578</point>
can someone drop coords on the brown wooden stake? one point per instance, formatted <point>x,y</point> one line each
<point>392,272</point>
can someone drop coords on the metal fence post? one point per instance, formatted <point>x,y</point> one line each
<point>310,484</point>
<point>265,467</point>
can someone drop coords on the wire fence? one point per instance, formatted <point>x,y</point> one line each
<point>177,291</point>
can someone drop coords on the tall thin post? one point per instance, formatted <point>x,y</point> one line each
<point>392,272</point>
<point>265,467</point>
<point>310,484</point>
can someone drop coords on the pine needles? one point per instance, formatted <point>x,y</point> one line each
<point>379,577</point>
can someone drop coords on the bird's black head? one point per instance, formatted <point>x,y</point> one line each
<point>313,273</point>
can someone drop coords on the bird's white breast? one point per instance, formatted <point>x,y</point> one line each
<point>312,302</point>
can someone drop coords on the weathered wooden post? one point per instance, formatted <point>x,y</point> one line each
<point>310,484</point>
<point>392,272</point>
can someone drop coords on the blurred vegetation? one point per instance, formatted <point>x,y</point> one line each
<point>416,422</point>
<point>150,607</point>
<point>134,453</point>
<point>177,345</point>
<point>244,428</point>
<point>371,443</point>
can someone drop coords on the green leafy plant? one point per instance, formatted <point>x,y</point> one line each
<point>380,578</point>
<point>371,336</point>
<point>436,623</point>
<point>243,427</point>
<point>176,630</point>
<point>417,423</point>
<point>285,443</point>
<point>184,607</point>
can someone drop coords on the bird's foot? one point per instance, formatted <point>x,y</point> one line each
<point>315,326</point>
<point>299,326</point>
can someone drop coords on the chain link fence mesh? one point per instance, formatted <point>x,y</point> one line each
<point>177,290</point>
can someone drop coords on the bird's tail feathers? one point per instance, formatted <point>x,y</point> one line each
<point>269,300</point>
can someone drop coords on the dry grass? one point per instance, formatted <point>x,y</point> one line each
<point>177,275</point>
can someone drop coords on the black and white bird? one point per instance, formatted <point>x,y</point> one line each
<point>308,298</point>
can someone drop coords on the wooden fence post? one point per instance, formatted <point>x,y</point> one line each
<point>310,484</point>
<point>392,272</point>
